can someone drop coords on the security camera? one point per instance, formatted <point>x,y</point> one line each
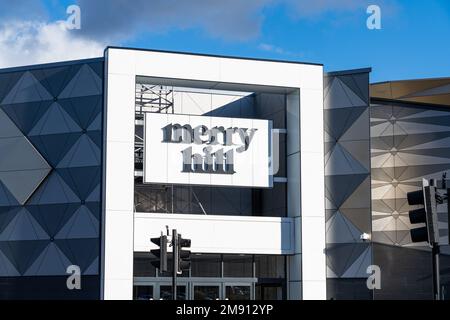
<point>364,237</point>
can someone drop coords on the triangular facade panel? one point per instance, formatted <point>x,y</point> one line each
<point>51,262</point>
<point>55,146</point>
<point>85,83</point>
<point>81,225</point>
<point>27,89</point>
<point>83,110</point>
<point>81,252</point>
<point>81,180</point>
<point>84,153</point>
<point>26,115</point>
<point>54,191</point>
<point>7,269</point>
<point>22,253</point>
<point>55,121</point>
<point>23,227</point>
<point>53,217</point>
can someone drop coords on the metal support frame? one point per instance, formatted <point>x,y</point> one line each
<point>150,98</point>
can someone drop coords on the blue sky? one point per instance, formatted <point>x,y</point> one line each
<point>414,41</point>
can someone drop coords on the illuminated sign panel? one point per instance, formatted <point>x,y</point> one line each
<point>202,150</point>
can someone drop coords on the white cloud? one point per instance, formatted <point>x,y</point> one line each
<point>278,50</point>
<point>33,42</point>
<point>271,48</point>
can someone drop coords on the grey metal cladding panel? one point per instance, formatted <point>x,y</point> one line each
<point>407,273</point>
<point>411,143</point>
<point>338,121</point>
<point>339,95</point>
<point>23,183</point>
<point>19,154</point>
<point>340,187</point>
<point>347,170</point>
<point>342,162</point>
<point>340,256</point>
<point>7,127</point>
<point>348,289</point>
<point>269,103</point>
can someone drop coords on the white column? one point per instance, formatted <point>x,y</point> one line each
<point>118,191</point>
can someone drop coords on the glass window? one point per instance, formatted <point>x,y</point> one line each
<point>237,293</point>
<point>272,292</point>
<point>142,267</point>
<point>165,292</point>
<point>238,266</point>
<point>270,266</point>
<point>205,265</point>
<point>143,292</point>
<point>206,292</point>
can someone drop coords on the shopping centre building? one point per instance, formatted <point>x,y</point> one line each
<point>290,182</point>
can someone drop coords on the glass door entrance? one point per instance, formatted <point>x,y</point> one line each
<point>195,289</point>
<point>206,292</point>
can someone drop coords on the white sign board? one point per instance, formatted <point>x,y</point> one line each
<point>201,150</point>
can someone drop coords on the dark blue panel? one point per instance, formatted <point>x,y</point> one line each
<point>96,136</point>
<point>56,79</point>
<point>94,207</point>
<point>98,68</point>
<point>55,146</point>
<point>81,252</point>
<point>81,180</point>
<point>83,110</point>
<point>84,153</point>
<point>55,121</point>
<point>48,288</point>
<point>52,217</point>
<point>26,115</point>
<point>6,198</point>
<point>54,191</point>
<point>23,253</point>
<point>7,82</point>
<point>6,215</point>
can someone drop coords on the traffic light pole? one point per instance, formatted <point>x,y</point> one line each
<point>174,263</point>
<point>436,272</point>
<point>435,249</point>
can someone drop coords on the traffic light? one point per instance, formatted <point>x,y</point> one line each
<point>428,215</point>
<point>184,256</point>
<point>160,254</point>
